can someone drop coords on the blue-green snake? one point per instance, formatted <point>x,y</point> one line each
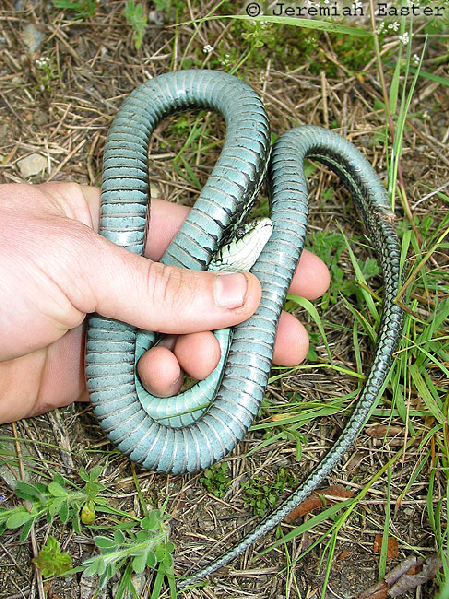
<point>223,408</point>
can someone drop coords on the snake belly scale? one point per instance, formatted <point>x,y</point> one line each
<point>230,399</point>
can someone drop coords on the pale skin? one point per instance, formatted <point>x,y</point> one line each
<point>55,268</point>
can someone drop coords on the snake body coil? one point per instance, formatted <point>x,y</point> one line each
<point>114,348</point>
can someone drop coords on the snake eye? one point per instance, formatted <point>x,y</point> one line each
<point>240,233</point>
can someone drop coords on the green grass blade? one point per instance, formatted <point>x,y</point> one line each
<point>305,23</point>
<point>304,303</point>
<point>424,392</point>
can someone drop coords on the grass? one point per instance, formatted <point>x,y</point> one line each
<point>117,511</point>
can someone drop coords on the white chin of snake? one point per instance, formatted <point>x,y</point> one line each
<point>242,253</point>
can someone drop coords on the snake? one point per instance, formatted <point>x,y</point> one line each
<point>212,417</point>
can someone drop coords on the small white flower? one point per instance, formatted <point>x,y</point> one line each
<point>225,61</point>
<point>405,38</point>
<point>41,62</point>
<point>416,59</point>
<point>208,49</point>
<point>394,26</point>
<point>380,28</point>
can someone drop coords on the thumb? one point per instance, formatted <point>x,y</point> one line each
<point>156,297</point>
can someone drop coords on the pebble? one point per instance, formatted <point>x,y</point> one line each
<point>32,37</point>
<point>157,17</point>
<point>32,165</point>
<point>89,588</point>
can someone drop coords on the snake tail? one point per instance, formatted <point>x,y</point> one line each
<point>371,199</point>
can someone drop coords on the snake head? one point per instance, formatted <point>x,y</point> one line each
<point>244,248</point>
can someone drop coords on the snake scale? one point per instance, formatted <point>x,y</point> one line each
<point>230,398</point>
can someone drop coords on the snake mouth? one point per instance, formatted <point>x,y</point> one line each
<point>244,248</point>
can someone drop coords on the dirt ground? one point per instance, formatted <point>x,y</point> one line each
<point>57,101</point>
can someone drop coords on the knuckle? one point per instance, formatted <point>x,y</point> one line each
<point>169,286</point>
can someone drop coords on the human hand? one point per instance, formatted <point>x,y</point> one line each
<point>55,269</point>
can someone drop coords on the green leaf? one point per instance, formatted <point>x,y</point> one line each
<point>26,491</point>
<point>54,506</point>
<point>424,392</point>
<point>26,529</point>
<point>151,560</point>
<point>96,471</point>
<point>84,476</point>
<point>152,520</point>
<point>68,4</point>
<point>160,553</point>
<point>76,525</point>
<point>169,547</point>
<point>81,9</point>
<point>17,519</point>
<point>92,565</point>
<point>101,565</point>
<point>139,562</point>
<point>64,512</point>
<point>57,478</point>
<point>311,523</point>
<point>105,542</point>
<point>303,302</point>
<point>56,490</point>
<point>143,536</point>
<point>41,487</point>
<point>168,561</point>
<point>119,537</point>
<point>126,588</point>
<point>296,22</point>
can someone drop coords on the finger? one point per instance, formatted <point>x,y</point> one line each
<point>160,372</point>
<point>312,277</point>
<point>156,297</point>
<point>58,373</point>
<point>292,341</point>
<point>198,353</point>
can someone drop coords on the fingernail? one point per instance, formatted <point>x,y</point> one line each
<point>230,289</point>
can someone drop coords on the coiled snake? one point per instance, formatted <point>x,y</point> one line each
<point>207,422</point>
